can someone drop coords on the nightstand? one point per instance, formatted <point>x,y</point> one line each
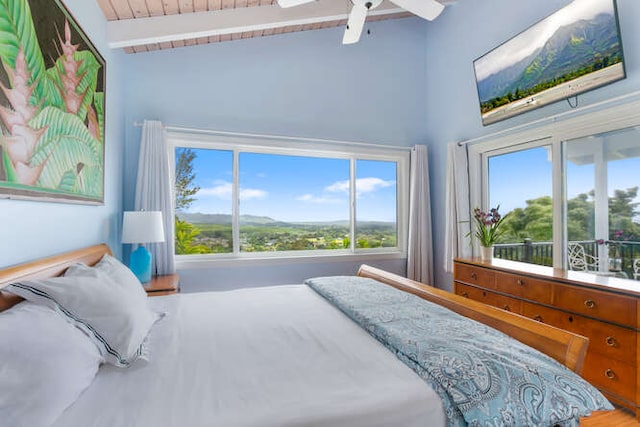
<point>163,285</point>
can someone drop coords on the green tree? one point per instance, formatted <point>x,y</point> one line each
<point>533,222</point>
<point>622,211</point>
<point>185,236</point>
<point>581,217</point>
<point>185,188</point>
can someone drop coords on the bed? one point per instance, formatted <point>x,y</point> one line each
<point>316,354</point>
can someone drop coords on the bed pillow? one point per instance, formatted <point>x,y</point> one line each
<point>45,364</point>
<point>110,267</point>
<point>115,319</point>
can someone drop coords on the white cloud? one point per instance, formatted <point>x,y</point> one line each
<point>363,185</point>
<point>252,193</point>
<point>318,200</point>
<point>369,185</point>
<point>338,187</point>
<point>223,190</point>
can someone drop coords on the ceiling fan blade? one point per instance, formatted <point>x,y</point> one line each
<point>355,23</point>
<point>291,3</point>
<point>427,9</point>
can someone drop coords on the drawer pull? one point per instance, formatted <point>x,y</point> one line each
<point>474,276</point>
<point>590,303</point>
<point>537,318</point>
<point>465,294</point>
<point>609,374</point>
<point>506,307</point>
<point>611,341</point>
<point>520,282</point>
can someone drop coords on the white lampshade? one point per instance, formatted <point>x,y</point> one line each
<point>142,227</point>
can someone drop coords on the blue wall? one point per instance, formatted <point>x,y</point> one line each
<point>303,84</point>
<point>466,31</point>
<point>31,229</point>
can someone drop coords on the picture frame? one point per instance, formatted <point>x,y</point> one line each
<point>52,106</point>
<point>574,50</point>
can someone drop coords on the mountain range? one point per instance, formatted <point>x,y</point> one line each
<point>223,219</point>
<point>570,48</point>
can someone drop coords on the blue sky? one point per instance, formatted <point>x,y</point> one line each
<point>294,189</point>
<point>523,175</point>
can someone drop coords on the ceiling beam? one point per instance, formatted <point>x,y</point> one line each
<point>159,29</point>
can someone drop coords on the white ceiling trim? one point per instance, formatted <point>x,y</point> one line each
<point>168,28</point>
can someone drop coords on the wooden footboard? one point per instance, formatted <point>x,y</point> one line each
<point>566,347</point>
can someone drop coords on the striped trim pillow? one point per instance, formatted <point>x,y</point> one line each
<point>114,319</point>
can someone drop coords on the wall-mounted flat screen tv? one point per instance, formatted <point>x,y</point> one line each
<point>576,49</point>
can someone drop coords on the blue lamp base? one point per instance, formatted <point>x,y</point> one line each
<point>140,264</point>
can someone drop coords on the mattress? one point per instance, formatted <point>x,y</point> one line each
<point>274,356</point>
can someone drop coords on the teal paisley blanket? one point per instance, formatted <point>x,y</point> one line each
<point>483,377</point>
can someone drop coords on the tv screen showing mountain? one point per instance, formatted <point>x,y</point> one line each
<point>576,49</point>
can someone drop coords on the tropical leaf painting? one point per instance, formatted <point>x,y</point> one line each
<point>52,105</point>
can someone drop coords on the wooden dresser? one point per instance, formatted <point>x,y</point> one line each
<point>604,309</point>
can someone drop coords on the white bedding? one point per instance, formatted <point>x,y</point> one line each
<point>276,356</point>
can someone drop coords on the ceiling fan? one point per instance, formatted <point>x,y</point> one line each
<point>427,9</point>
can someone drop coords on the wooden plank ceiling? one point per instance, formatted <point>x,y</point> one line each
<point>147,25</point>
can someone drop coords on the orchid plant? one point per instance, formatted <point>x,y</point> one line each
<point>488,226</point>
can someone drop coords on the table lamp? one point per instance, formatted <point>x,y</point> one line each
<point>142,227</point>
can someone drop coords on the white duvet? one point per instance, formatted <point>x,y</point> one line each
<point>276,356</point>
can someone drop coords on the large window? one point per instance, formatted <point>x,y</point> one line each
<point>242,200</point>
<point>571,202</point>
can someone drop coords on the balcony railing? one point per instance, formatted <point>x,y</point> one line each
<point>621,254</point>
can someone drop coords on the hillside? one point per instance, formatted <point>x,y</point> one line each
<point>265,221</point>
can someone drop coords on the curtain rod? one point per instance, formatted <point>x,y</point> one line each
<point>279,137</point>
<point>549,119</point>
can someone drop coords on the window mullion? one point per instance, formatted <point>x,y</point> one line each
<point>601,204</point>
<point>352,204</point>
<point>559,204</point>
<point>235,205</point>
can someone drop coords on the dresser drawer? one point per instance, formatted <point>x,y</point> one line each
<point>602,305</point>
<point>605,339</point>
<point>474,275</point>
<point>506,303</point>
<point>490,298</point>
<point>611,375</point>
<point>524,287</point>
<point>470,292</point>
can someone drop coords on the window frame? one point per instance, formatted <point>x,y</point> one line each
<point>297,147</point>
<point>586,121</point>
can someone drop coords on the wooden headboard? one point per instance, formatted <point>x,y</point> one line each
<point>566,347</point>
<point>46,267</point>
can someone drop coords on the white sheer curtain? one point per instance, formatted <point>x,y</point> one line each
<point>456,244</point>
<point>154,191</point>
<point>420,242</point>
